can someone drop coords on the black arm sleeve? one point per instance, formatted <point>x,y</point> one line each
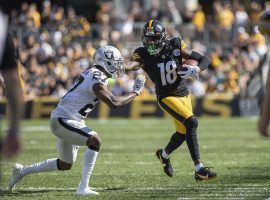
<point>204,62</point>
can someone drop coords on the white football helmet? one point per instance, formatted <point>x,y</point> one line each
<point>110,58</point>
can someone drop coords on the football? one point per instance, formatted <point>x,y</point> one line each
<point>190,62</point>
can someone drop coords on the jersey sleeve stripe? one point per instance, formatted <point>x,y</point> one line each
<point>183,45</point>
<point>136,55</point>
<point>150,24</point>
<point>71,128</point>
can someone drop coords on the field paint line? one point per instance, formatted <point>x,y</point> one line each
<point>143,188</point>
<point>40,128</point>
<point>136,163</point>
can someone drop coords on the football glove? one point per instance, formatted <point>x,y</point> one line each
<point>192,71</point>
<point>139,84</point>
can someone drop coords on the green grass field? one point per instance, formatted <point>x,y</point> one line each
<point>127,168</point>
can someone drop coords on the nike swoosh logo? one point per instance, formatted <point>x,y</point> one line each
<point>163,164</point>
<point>203,177</point>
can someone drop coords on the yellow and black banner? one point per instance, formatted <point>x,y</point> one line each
<point>225,105</point>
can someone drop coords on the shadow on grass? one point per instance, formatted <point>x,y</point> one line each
<point>19,192</point>
<point>114,189</point>
<point>249,174</point>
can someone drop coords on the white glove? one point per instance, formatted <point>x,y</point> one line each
<point>139,84</point>
<point>191,72</point>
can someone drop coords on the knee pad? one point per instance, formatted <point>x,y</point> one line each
<point>61,165</point>
<point>94,142</point>
<point>191,122</point>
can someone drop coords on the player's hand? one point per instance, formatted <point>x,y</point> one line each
<point>139,84</point>
<point>12,144</point>
<point>192,71</point>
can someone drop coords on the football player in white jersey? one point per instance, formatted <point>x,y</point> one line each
<point>67,120</point>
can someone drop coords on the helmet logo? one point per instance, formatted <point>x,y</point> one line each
<point>158,28</point>
<point>108,54</point>
<point>176,52</point>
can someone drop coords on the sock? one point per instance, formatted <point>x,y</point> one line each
<point>45,166</point>
<point>176,141</point>
<point>198,167</point>
<point>90,157</point>
<point>191,125</point>
<point>164,154</point>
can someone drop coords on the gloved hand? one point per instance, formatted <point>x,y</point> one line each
<point>139,84</point>
<point>191,72</point>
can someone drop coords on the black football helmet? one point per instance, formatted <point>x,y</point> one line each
<point>154,36</point>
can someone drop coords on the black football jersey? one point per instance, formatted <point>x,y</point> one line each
<point>162,69</point>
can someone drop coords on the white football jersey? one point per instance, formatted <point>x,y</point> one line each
<point>80,99</point>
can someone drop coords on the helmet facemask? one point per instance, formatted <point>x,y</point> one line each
<point>154,44</point>
<point>115,67</point>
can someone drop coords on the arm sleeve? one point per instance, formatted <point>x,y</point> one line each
<point>204,62</point>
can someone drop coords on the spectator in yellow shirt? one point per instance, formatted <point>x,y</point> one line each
<point>225,17</point>
<point>199,19</point>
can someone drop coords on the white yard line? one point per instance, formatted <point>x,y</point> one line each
<point>246,190</point>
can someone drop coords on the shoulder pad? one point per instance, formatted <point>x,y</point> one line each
<point>175,42</point>
<point>139,53</point>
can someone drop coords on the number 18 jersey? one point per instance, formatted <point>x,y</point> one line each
<point>80,99</point>
<point>162,69</point>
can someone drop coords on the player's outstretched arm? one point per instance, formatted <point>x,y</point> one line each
<point>105,95</point>
<point>133,65</point>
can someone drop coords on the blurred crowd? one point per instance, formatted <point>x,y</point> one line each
<point>56,44</point>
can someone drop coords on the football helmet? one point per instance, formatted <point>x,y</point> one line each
<point>154,36</point>
<point>111,60</point>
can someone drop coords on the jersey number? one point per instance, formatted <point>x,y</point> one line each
<point>167,72</point>
<point>86,109</point>
<point>78,81</point>
<point>97,76</point>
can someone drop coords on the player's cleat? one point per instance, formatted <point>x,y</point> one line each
<point>86,191</point>
<point>205,174</point>
<point>15,177</point>
<point>165,162</point>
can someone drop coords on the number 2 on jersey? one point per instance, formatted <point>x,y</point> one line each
<point>167,72</point>
<point>78,81</point>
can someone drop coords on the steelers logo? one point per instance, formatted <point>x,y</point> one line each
<point>176,52</point>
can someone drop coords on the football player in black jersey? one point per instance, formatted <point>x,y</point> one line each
<point>9,68</point>
<point>161,59</point>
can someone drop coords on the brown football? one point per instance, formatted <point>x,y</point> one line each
<point>190,62</point>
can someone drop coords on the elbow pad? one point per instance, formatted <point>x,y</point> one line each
<point>204,62</point>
